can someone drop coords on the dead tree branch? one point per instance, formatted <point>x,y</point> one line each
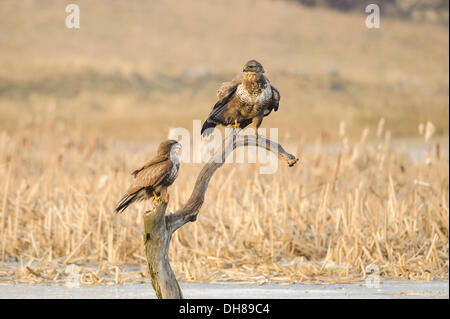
<point>159,227</point>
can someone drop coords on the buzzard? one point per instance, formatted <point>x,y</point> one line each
<point>248,98</point>
<point>154,177</point>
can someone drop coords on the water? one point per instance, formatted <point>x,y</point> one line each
<point>386,289</point>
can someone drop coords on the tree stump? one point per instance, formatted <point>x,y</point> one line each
<point>159,226</point>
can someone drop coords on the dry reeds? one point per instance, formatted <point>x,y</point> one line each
<point>344,208</point>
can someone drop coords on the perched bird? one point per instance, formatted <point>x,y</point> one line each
<point>246,99</point>
<point>154,177</point>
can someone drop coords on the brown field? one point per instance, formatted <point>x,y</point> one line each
<point>80,109</point>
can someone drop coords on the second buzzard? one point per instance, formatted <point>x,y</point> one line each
<point>248,98</point>
<point>154,177</point>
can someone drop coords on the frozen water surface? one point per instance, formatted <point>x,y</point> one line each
<point>387,289</point>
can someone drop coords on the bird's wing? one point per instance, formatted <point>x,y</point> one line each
<point>156,160</point>
<point>223,112</point>
<point>226,87</point>
<point>217,114</point>
<point>225,93</point>
<point>153,175</point>
<point>274,103</point>
<point>275,98</point>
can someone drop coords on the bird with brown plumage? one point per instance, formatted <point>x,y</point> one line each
<point>247,99</point>
<point>153,179</point>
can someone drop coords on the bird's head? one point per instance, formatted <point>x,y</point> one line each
<point>253,66</point>
<point>167,146</point>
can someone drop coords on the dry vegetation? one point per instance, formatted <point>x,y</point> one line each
<point>80,109</point>
<point>345,208</point>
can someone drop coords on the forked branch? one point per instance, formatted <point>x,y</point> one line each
<point>188,213</point>
<point>159,227</point>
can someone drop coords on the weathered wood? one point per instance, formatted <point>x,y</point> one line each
<point>159,227</point>
<point>157,240</point>
<point>188,213</point>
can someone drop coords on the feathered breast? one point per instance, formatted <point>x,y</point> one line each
<point>175,166</point>
<point>261,94</point>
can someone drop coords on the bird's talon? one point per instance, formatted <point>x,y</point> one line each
<point>156,198</point>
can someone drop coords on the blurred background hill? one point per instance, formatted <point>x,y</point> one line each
<point>430,11</point>
<point>137,68</point>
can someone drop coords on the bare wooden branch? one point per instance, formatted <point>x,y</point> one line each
<point>188,213</point>
<point>156,241</point>
<point>159,227</point>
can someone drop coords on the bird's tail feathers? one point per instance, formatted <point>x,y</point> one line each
<point>243,124</point>
<point>130,197</point>
<point>207,128</point>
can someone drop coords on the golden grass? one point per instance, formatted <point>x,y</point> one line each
<point>345,207</point>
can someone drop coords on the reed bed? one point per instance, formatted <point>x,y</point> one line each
<point>346,208</point>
